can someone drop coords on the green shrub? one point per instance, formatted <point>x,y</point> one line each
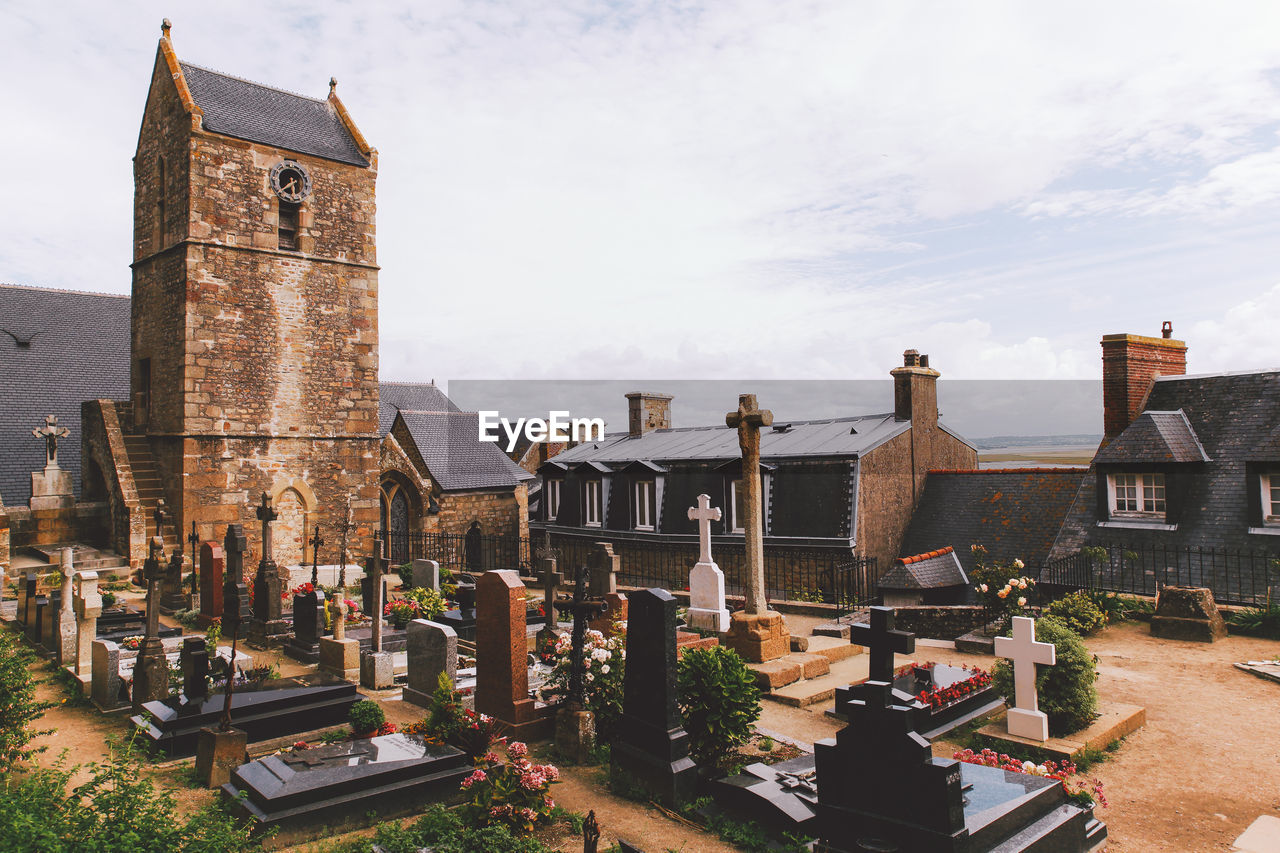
<point>108,600</point>
<point>366,716</point>
<point>719,701</point>
<point>430,604</point>
<point>19,707</point>
<point>445,716</point>
<point>1066,689</point>
<point>1079,612</point>
<point>1256,621</point>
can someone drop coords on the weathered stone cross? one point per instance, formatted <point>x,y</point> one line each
<point>153,572</point>
<point>161,515</point>
<point>883,642</point>
<point>266,514</point>
<point>748,419</point>
<point>1026,719</point>
<point>235,544</point>
<point>51,432</point>
<point>194,539</point>
<point>581,610</point>
<point>704,513</point>
<point>316,542</point>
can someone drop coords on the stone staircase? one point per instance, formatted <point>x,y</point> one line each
<point>150,490</point>
<point>804,677</point>
<point>108,565</point>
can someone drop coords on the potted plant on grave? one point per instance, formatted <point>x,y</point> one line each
<point>401,611</point>
<point>430,604</point>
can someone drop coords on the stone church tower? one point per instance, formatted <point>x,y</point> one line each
<point>254,362</point>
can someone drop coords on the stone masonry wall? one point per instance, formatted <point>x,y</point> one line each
<point>939,623</point>
<point>501,512</point>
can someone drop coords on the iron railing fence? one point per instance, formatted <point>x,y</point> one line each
<point>1236,577</point>
<point>460,552</point>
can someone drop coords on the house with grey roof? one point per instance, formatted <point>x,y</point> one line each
<point>932,578</point>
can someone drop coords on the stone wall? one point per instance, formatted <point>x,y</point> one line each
<point>83,522</point>
<point>501,512</point>
<point>102,444</point>
<point>939,623</point>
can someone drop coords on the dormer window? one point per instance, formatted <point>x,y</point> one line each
<point>642,504</point>
<point>592,506</point>
<point>1137,495</point>
<point>553,498</point>
<point>1271,500</point>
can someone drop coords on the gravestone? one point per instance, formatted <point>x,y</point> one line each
<point>211,569</point>
<point>426,573</point>
<point>267,628</point>
<point>63,637</point>
<point>151,671</point>
<point>707,610</point>
<point>575,725</point>
<point>551,580</point>
<point>51,488</point>
<point>1187,613</point>
<point>26,592</point>
<point>463,620</point>
<point>88,607</point>
<point>308,626</point>
<point>172,598</point>
<point>194,660</point>
<point>306,793</point>
<point>105,669</point>
<point>1025,718</point>
<point>882,641</point>
<point>234,545</point>
<point>756,633</point>
<point>339,654</point>
<point>377,670</point>
<point>432,649</point>
<point>653,747</point>
<point>604,584</point>
<point>502,654</point>
<point>31,599</point>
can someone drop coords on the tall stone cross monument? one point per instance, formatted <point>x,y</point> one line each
<point>1025,718</point>
<point>758,633</point>
<point>707,610</point>
<point>267,627</point>
<point>52,487</point>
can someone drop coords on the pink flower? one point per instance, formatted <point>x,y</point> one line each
<point>516,749</point>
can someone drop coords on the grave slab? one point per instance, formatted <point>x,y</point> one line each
<point>1115,720</point>
<point>1187,613</point>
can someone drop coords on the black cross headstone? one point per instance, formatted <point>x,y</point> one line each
<point>266,514</point>
<point>883,642</point>
<point>153,572</point>
<point>581,611</point>
<point>194,539</point>
<point>316,542</point>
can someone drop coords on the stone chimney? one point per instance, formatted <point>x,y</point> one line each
<point>1130,363</point>
<point>647,412</point>
<point>915,391</point>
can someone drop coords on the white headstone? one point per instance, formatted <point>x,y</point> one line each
<point>1025,718</point>
<point>707,610</point>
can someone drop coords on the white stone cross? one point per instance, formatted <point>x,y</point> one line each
<point>1026,719</point>
<point>704,513</point>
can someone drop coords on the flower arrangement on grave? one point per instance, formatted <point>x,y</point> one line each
<point>369,720</point>
<point>604,662</point>
<point>302,589</point>
<point>108,600</point>
<point>401,611</point>
<point>1005,591</point>
<point>447,721</point>
<point>430,604</point>
<point>1079,791</point>
<point>515,794</point>
<point>940,697</point>
<point>132,643</point>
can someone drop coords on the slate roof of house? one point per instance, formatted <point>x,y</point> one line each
<point>1155,437</point>
<point>1235,416</point>
<point>258,113</point>
<point>1268,450</point>
<point>79,350</point>
<point>931,570</point>
<point>849,436</point>
<point>457,459</point>
<point>414,396</point>
<point>1015,513</point>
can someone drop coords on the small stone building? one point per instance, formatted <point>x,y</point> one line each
<point>931,578</point>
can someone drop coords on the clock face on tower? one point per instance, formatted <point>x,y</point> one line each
<point>290,181</point>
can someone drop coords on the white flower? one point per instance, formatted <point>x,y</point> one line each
<point>1022,601</point>
<point>604,670</point>
<point>984,588</point>
<point>600,654</point>
<point>591,676</point>
<point>1028,766</point>
<point>1018,564</point>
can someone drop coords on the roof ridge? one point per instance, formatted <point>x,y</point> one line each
<point>431,384</point>
<point>13,286</point>
<point>927,555</point>
<point>204,68</point>
<point>1257,372</point>
<point>1057,470</point>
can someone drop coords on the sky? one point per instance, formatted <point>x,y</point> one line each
<point>739,189</point>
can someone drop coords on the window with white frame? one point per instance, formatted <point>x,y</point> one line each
<point>1137,495</point>
<point>642,512</point>
<point>737,500</point>
<point>1271,499</point>
<point>591,504</point>
<point>553,499</point>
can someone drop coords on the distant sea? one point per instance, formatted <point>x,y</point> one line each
<point>1036,451</point>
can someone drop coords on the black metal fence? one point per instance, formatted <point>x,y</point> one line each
<point>1236,577</point>
<point>461,552</point>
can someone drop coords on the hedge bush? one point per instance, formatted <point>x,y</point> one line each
<point>1079,612</point>
<point>19,707</point>
<point>719,702</point>
<point>1066,689</point>
<point>366,716</point>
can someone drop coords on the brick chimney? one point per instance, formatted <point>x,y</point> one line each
<point>915,391</point>
<point>647,412</point>
<point>1130,363</point>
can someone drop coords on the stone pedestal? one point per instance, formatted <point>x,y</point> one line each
<point>616,611</point>
<point>758,637</point>
<point>1187,613</point>
<point>150,674</point>
<point>218,754</point>
<point>268,629</point>
<point>707,611</point>
<point>377,670</point>
<point>432,649</point>
<point>52,489</point>
<point>340,658</point>
<point>575,734</point>
<point>105,688</point>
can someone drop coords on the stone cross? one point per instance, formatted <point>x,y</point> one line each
<point>266,514</point>
<point>161,515</point>
<point>342,553</point>
<point>316,542</point>
<point>375,577</point>
<point>340,617</point>
<point>551,580</point>
<point>748,420</point>
<point>1026,719</point>
<point>604,565</point>
<point>153,572</point>
<point>235,594</point>
<point>88,607</point>
<point>51,432</point>
<point>194,540</point>
<point>235,544</point>
<point>882,641</point>
<point>151,669</point>
<point>64,635</point>
<point>581,610</point>
<point>704,513</point>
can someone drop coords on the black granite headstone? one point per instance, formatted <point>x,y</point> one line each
<point>308,627</point>
<point>653,747</point>
<point>463,620</point>
<point>194,660</point>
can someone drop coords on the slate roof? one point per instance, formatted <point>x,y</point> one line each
<point>849,436</point>
<point>931,570</point>
<point>1015,513</point>
<point>457,459</point>
<point>414,396</point>
<point>1268,450</point>
<point>79,350</point>
<point>1155,437</point>
<point>1233,415</point>
<point>248,110</point>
